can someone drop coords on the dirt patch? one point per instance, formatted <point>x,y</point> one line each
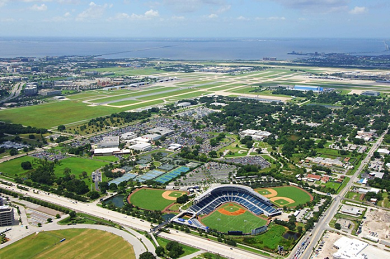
<point>282,198</point>
<point>273,193</point>
<point>166,196</point>
<point>234,213</point>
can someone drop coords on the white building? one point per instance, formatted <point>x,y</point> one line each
<point>257,135</point>
<point>128,135</point>
<point>141,147</point>
<point>349,248</point>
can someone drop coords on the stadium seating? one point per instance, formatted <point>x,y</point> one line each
<point>218,196</point>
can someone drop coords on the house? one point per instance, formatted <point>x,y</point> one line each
<point>313,177</point>
<point>325,179</point>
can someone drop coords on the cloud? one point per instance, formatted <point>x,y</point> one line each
<point>94,11</point>
<point>148,15</point>
<point>194,5</point>
<point>358,10</point>
<point>272,18</point>
<point>212,16</point>
<point>316,5</point>
<point>39,8</point>
<point>243,18</point>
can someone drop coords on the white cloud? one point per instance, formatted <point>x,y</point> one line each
<point>194,5</point>
<point>94,11</point>
<point>243,18</point>
<point>316,5</point>
<point>39,8</point>
<point>148,15</point>
<point>177,18</point>
<point>358,10</point>
<point>277,18</point>
<point>212,16</point>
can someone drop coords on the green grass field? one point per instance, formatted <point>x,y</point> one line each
<point>176,194</point>
<point>77,165</point>
<point>270,239</point>
<point>78,244</point>
<point>224,223</point>
<point>150,199</point>
<point>298,195</point>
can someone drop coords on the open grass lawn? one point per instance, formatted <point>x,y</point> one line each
<point>135,105</point>
<point>55,113</point>
<point>270,239</point>
<point>79,243</point>
<point>78,165</point>
<point>150,199</point>
<point>176,194</point>
<point>13,168</point>
<point>292,192</point>
<point>224,223</point>
<point>187,249</point>
<point>132,93</point>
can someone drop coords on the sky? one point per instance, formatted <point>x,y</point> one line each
<point>196,18</point>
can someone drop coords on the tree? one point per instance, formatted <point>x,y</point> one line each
<point>337,226</point>
<point>182,199</point>
<point>49,220</point>
<point>39,224</point>
<point>61,127</point>
<point>72,214</point>
<point>146,255</point>
<point>13,151</point>
<point>160,251</point>
<point>93,195</point>
<point>84,174</point>
<point>175,249</point>
<point>26,165</point>
<point>58,216</point>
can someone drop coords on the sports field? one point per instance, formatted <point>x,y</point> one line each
<point>233,217</point>
<point>78,244</point>
<point>289,196</point>
<point>153,199</point>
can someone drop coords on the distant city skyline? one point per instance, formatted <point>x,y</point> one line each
<point>196,18</point>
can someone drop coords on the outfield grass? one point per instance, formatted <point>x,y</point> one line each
<point>224,223</point>
<point>78,244</point>
<point>292,192</point>
<point>150,199</point>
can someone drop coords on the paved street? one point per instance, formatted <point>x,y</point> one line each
<point>323,222</point>
<point>135,223</point>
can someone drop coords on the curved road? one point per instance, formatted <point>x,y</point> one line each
<point>138,224</point>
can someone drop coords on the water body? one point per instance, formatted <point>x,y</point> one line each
<point>290,234</point>
<point>116,200</point>
<point>185,49</point>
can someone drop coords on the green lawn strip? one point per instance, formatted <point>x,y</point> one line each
<point>150,199</point>
<point>137,105</point>
<point>187,249</point>
<point>190,95</point>
<point>55,113</point>
<point>130,93</point>
<point>169,94</point>
<point>107,158</point>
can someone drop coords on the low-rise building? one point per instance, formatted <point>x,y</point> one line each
<point>6,215</point>
<point>351,210</point>
<point>141,147</point>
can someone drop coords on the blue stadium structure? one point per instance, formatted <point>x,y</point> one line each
<point>210,200</point>
<point>243,195</point>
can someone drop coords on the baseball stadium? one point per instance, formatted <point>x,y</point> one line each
<point>227,206</point>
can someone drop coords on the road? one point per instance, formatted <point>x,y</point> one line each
<point>323,222</point>
<point>138,224</point>
<point>15,92</point>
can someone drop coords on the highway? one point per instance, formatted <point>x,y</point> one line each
<point>323,222</point>
<point>124,220</point>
